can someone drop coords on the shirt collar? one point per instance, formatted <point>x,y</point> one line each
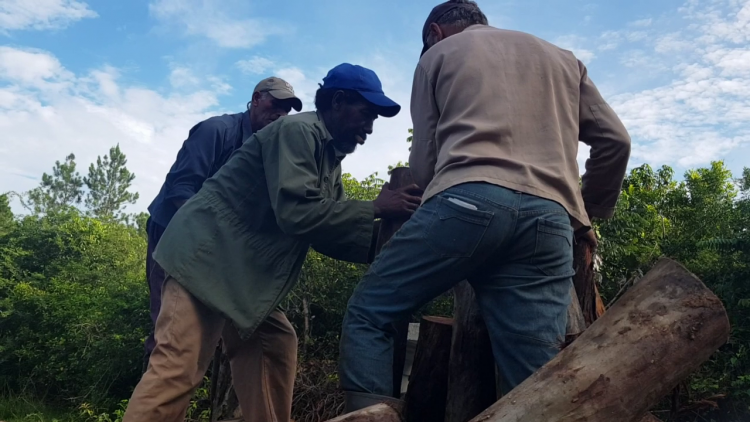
<point>475,27</point>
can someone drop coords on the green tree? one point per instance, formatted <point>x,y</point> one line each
<point>139,223</point>
<point>632,240</point>
<point>73,308</point>
<point>6,215</point>
<point>108,182</point>
<point>60,190</point>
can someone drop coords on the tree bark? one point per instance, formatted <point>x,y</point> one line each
<point>471,373</point>
<point>428,383</point>
<point>585,285</point>
<point>377,413</point>
<point>400,177</point>
<point>659,332</point>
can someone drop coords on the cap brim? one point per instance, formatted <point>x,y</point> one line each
<point>281,94</point>
<point>386,106</point>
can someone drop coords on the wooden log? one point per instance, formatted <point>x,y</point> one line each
<point>659,332</point>
<point>428,382</point>
<point>584,281</point>
<point>471,372</point>
<point>378,413</point>
<point>400,177</point>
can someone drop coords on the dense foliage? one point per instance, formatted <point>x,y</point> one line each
<point>701,221</point>
<point>73,297</point>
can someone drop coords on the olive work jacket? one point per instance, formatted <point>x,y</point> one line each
<point>238,245</point>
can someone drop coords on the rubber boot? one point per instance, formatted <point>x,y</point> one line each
<point>354,401</point>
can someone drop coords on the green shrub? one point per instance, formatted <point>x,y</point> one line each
<point>73,308</point>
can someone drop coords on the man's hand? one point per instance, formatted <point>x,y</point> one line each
<point>589,236</point>
<point>399,204</point>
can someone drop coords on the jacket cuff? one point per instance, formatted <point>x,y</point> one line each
<point>598,211</point>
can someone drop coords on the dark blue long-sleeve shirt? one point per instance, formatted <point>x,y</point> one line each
<point>207,148</point>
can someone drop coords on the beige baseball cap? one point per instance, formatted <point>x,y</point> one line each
<point>279,89</point>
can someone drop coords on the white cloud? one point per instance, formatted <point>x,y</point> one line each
<point>672,43</point>
<point>732,61</point>
<point>610,40</point>
<point>41,14</point>
<point>48,112</point>
<point>183,77</point>
<point>255,65</point>
<point>642,22</point>
<point>216,20</point>
<point>575,44</point>
<point>703,113</point>
<point>32,68</point>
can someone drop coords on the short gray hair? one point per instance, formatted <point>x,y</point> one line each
<point>463,17</point>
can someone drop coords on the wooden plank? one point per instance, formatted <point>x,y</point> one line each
<point>428,383</point>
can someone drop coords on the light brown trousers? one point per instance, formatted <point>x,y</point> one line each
<point>186,333</point>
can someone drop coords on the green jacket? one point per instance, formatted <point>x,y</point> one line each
<point>238,245</point>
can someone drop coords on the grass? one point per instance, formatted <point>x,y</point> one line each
<point>20,409</point>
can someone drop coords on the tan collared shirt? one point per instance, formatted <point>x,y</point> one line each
<point>508,108</point>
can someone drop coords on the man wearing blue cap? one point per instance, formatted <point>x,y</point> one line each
<point>234,250</point>
<point>498,116</point>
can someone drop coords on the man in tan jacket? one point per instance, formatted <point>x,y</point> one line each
<point>497,119</point>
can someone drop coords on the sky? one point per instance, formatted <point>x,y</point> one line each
<point>82,76</point>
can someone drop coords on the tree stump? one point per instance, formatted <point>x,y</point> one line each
<point>659,332</point>
<point>471,372</point>
<point>428,383</point>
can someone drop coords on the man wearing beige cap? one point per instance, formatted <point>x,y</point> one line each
<point>209,145</point>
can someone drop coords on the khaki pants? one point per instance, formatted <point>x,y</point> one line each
<point>187,332</point>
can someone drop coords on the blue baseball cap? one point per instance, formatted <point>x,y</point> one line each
<point>365,82</point>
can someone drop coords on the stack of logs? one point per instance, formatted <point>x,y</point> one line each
<point>614,366</point>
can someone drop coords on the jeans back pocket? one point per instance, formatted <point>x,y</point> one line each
<point>553,253</point>
<point>457,227</point>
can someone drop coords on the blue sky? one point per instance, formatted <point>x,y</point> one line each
<point>83,75</point>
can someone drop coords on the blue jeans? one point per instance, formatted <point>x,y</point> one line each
<point>515,249</point>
